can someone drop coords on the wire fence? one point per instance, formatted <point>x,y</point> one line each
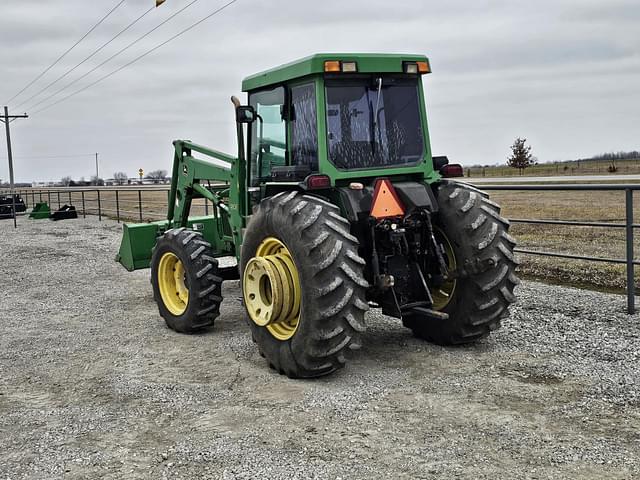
<point>150,204</point>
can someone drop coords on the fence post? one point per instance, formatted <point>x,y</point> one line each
<point>117,207</point>
<point>84,212</point>
<point>49,197</point>
<point>631,304</point>
<point>70,197</point>
<point>99,207</point>
<point>206,207</point>
<point>140,204</point>
<point>58,198</point>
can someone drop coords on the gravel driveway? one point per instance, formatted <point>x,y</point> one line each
<point>93,385</point>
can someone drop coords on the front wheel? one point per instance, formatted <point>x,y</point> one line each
<point>480,252</point>
<point>185,283</point>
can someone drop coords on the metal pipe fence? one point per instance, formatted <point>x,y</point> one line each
<point>628,226</point>
<point>120,204</point>
<point>150,204</point>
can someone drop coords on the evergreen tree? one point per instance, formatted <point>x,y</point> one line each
<point>521,157</point>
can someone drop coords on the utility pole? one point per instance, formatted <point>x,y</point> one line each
<point>97,176</point>
<point>7,120</point>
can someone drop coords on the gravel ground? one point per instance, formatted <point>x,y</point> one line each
<point>93,385</point>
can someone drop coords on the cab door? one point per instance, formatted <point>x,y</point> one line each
<point>268,134</point>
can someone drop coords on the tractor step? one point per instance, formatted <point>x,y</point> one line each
<point>229,273</point>
<point>425,312</point>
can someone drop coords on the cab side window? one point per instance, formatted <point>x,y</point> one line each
<point>304,127</point>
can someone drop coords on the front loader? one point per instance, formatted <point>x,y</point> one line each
<point>333,205</point>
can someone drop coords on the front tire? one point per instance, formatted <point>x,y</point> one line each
<point>185,283</point>
<point>476,240</point>
<point>310,339</point>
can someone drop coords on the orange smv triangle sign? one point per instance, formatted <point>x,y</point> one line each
<point>385,200</point>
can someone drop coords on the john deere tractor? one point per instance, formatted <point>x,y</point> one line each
<point>333,205</point>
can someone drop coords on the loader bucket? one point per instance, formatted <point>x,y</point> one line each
<point>40,211</point>
<point>138,239</point>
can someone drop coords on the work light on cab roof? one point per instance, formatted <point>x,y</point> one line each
<point>333,204</point>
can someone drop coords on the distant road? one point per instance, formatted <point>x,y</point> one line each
<point>556,179</point>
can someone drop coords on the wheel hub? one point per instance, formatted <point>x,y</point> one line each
<point>271,289</point>
<point>442,294</point>
<point>171,282</point>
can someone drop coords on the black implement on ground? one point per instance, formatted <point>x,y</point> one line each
<point>7,203</point>
<point>66,212</point>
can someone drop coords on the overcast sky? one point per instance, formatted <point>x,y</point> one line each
<point>565,74</point>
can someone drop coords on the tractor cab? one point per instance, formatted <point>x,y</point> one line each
<point>340,117</point>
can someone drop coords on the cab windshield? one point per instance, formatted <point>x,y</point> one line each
<point>374,122</point>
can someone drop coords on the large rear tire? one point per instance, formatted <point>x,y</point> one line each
<point>185,283</point>
<point>295,235</point>
<point>476,242</point>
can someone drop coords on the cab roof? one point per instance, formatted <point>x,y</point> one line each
<point>314,64</point>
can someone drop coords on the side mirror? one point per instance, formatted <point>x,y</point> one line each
<point>245,114</point>
<point>439,162</point>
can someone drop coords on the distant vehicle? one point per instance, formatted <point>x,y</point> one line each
<point>6,205</point>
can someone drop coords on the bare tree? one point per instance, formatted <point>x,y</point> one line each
<point>157,176</point>
<point>65,181</point>
<point>120,178</point>
<point>521,157</point>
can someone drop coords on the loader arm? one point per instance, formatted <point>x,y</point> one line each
<point>215,179</point>
<point>186,175</point>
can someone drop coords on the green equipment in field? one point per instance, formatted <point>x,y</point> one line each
<point>333,204</point>
<point>40,211</point>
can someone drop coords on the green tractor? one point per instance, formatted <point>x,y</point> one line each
<point>333,204</point>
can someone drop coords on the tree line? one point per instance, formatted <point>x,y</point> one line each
<point>119,178</point>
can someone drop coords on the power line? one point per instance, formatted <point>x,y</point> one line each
<point>65,53</point>
<point>113,56</point>
<point>87,58</point>
<point>54,156</point>
<point>139,57</point>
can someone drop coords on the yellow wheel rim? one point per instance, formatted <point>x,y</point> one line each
<point>444,293</point>
<point>171,282</point>
<point>271,289</point>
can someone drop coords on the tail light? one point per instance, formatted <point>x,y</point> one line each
<point>452,170</point>
<point>317,181</point>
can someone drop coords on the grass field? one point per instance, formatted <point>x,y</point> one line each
<point>582,167</point>
<point>585,206</point>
